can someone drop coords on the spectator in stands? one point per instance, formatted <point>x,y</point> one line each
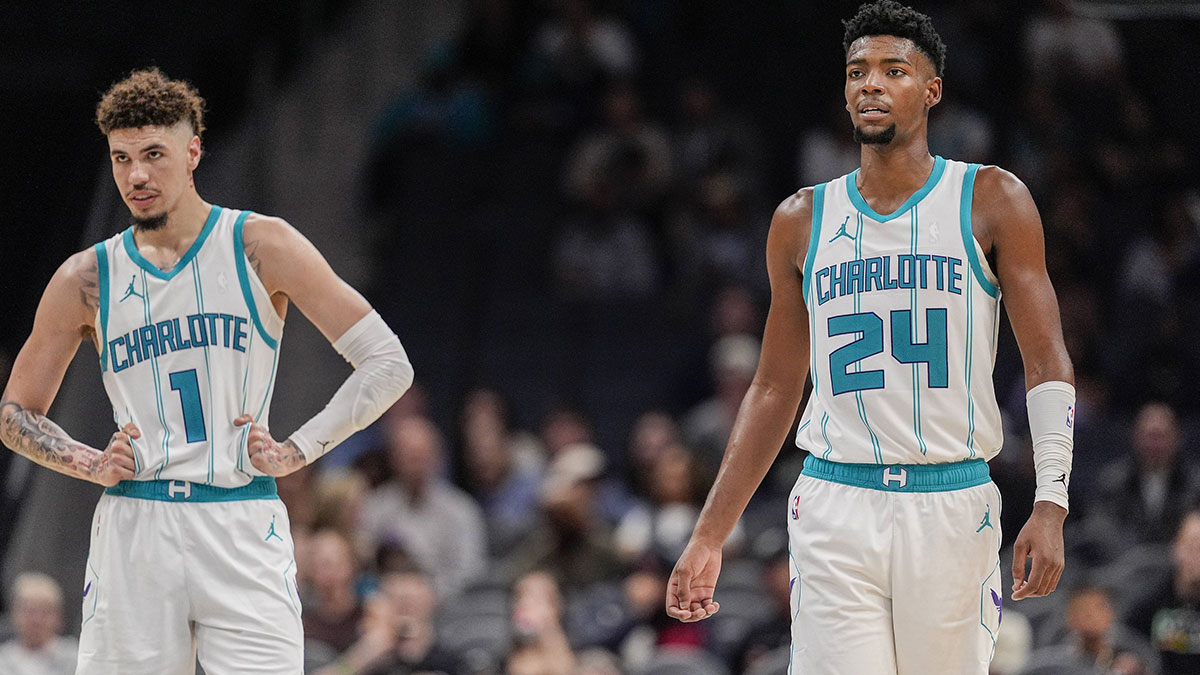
<point>718,239</point>
<point>734,360</point>
<point>540,644</point>
<point>397,633</point>
<point>1170,615</point>
<point>629,152</point>
<point>332,609</point>
<point>1143,497</point>
<point>571,540</point>
<point>439,525</point>
<point>657,532</point>
<point>338,505</point>
<point>709,138</point>
<point>654,433</point>
<point>1094,639</point>
<point>506,486</point>
<point>604,253</point>
<point>576,50</point>
<point>37,616</point>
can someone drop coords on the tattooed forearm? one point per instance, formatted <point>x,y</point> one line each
<point>89,285</point>
<point>32,435</point>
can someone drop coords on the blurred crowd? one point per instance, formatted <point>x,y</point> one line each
<point>571,218</point>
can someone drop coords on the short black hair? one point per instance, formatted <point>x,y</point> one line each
<point>888,17</point>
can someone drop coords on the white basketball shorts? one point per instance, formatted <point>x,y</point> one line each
<point>182,570</point>
<point>895,569</point>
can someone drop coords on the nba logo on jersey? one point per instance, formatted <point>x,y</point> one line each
<point>796,508</point>
<point>1070,416</point>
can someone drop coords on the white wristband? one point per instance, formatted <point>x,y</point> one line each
<point>381,375</point>
<point>1051,407</point>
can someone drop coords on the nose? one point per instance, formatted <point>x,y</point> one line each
<point>138,174</point>
<point>872,83</point>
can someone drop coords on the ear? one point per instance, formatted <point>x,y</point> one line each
<point>933,92</point>
<point>194,152</point>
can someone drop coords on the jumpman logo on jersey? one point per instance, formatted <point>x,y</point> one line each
<point>1062,478</point>
<point>129,291</point>
<point>271,532</point>
<point>987,520</point>
<point>842,231</point>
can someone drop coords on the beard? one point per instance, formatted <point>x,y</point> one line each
<point>150,223</point>
<point>882,138</point>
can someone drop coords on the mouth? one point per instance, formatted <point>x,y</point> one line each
<point>143,199</point>
<point>873,112</point>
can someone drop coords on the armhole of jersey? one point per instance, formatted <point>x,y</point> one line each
<point>818,206</point>
<point>968,237</point>
<point>102,273</point>
<point>239,257</point>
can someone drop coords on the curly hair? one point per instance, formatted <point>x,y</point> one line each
<point>888,17</point>
<point>150,98</point>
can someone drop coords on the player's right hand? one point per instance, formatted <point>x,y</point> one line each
<point>690,589</point>
<point>116,464</point>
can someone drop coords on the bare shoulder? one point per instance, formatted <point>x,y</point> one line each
<point>791,226</point>
<point>1001,206</point>
<point>75,287</point>
<point>272,247</point>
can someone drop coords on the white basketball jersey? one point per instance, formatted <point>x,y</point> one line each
<point>188,350</point>
<point>903,315</point>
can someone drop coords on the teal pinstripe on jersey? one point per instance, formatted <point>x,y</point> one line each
<point>187,350</point>
<point>903,311</point>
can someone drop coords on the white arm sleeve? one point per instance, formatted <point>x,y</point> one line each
<point>1051,408</point>
<point>381,375</point>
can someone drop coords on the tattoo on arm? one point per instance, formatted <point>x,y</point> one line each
<point>32,435</point>
<point>89,286</point>
<point>252,255</point>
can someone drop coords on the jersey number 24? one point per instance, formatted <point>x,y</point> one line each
<point>869,328</point>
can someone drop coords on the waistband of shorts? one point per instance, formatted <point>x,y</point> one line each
<point>259,487</point>
<point>900,477</point>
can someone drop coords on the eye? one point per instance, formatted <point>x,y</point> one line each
<point>120,159</point>
<point>154,154</point>
<point>896,72</point>
<point>854,73</point>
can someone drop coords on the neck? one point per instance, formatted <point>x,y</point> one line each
<point>184,223</point>
<point>895,164</point>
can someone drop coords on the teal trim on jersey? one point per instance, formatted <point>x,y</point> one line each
<point>162,415</point>
<point>968,237</point>
<point>858,395</point>
<point>916,368</point>
<point>260,487</point>
<point>818,209</point>
<point>939,166</point>
<point>207,371</point>
<point>825,434</point>
<point>970,292</point>
<point>102,273</point>
<point>270,387</point>
<point>239,258</point>
<point>136,256</point>
<point>918,477</point>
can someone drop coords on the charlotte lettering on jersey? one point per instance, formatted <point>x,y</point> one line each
<point>884,273</point>
<point>195,330</point>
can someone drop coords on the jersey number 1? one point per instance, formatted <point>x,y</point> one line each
<point>869,327</point>
<point>186,383</point>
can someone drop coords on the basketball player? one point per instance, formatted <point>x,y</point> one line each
<point>190,550</point>
<point>886,283</point>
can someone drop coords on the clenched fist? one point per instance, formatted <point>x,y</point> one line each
<point>116,463</point>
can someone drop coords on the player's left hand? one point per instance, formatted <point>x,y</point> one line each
<point>1042,540</point>
<point>268,455</point>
